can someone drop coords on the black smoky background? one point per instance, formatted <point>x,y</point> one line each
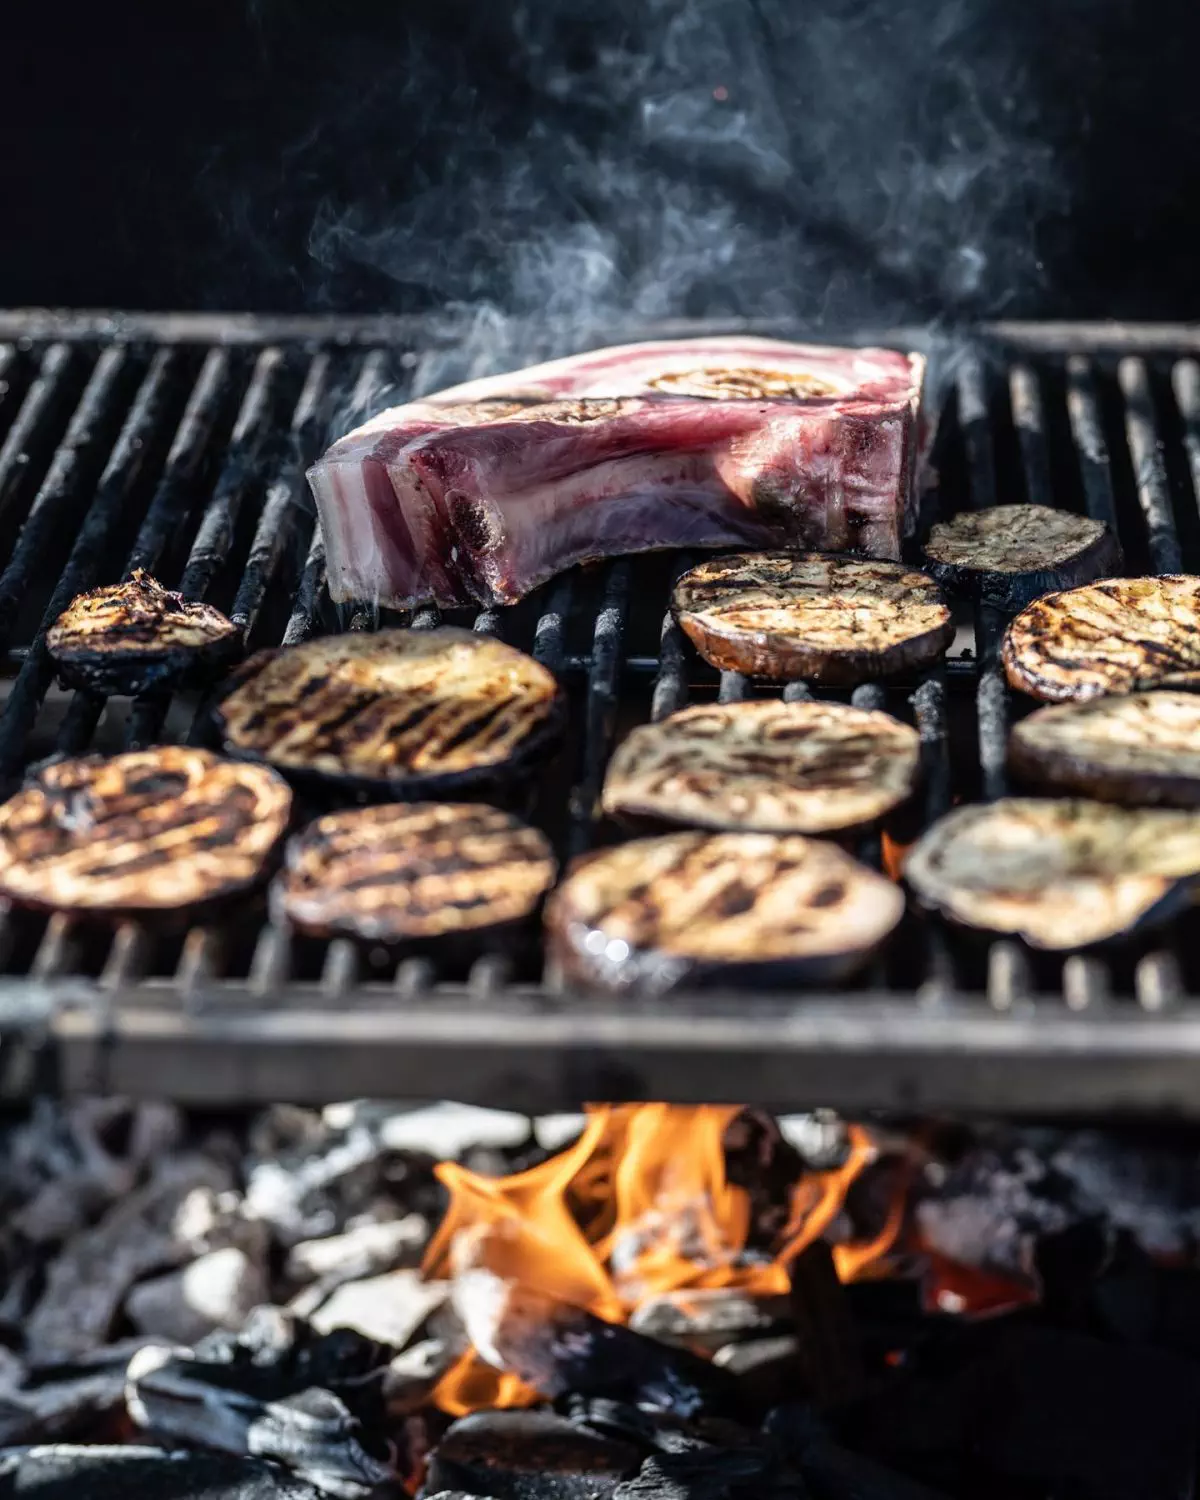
<point>834,164</point>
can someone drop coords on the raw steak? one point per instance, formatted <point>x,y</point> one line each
<point>484,491</point>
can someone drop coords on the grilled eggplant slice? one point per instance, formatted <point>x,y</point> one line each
<point>697,909</point>
<point>403,713</point>
<point>766,767</point>
<point>1058,873</point>
<point>408,872</point>
<point>1008,555</point>
<point>1142,750</point>
<point>134,636</point>
<point>149,831</point>
<point>1121,635</point>
<point>834,620</point>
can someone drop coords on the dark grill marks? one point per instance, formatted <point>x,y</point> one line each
<point>133,636</point>
<point>688,908</point>
<point>152,830</point>
<point>832,620</point>
<point>765,766</point>
<point>396,874</point>
<point>399,712</point>
<point>1119,636</point>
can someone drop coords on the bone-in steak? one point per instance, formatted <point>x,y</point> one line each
<point>484,491</point>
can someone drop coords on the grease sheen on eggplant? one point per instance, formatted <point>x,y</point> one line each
<point>1007,555</point>
<point>410,871</point>
<point>1059,873</point>
<point>831,619</point>
<point>696,909</point>
<point>133,636</point>
<point>1120,635</point>
<point>767,766</point>
<point>151,830</point>
<point>1141,750</point>
<point>401,713</point>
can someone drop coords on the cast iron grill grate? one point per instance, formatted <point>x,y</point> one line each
<point>179,444</point>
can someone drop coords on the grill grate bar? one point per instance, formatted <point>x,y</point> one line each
<point>601,707</point>
<point>172,501</point>
<point>9,368</point>
<point>1185,384</point>
<point>1150,475</point>
<point>286,499</point>
<point>29,437</point>
<point>83,568</point>
<point>1091,446</point>
<point>1029,418</point>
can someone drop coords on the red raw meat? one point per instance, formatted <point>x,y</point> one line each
<point>482,492</point>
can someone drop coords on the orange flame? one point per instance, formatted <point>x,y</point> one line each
<point>638,1206</point>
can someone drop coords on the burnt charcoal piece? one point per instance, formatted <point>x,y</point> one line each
<point>829,1352</point>
<point>136,636</point>
<point>1060,874</point>
<point>407,714</point>
<point>123,1473</point>
<point>152,830</point>
<point>560,1349</point>
<point>686,1469</point>
<point>278,1390</point>
<point>1007,555</point>
<point>1124,635</point>
<point>767,767</point>
<point>830,1471</point>
<point>486,490</point>
<point>1059,1412</point>
<point>523,1455</point>
<point>1143,750</point>
<point>417,872</point>
<point>832,620</point>
<point>697,909</point>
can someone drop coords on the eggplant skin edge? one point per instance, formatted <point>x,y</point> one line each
<point>1170,904</point>
<point>777,660</point>
<point>129,674</point>
<point>1081,777</point>
<point>653,972</point>
<point>1011,592</point>
<point>502,783</point>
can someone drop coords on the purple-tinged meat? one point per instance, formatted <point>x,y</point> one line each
<point>482,492</point>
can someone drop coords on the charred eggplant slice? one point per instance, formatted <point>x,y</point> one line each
<point>697,909</point>
<point>134,636</point>
<point>149,831</point>
<point>1121,635</point>
<point>1008,555</point>
<point>402,713</point>
<point>1058,873</point>
<point>1142,750</point>
<point>767,767</point>
<point>413,871</point>
<point>830,619</point>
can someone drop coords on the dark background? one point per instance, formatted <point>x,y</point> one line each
<point>158,158</point>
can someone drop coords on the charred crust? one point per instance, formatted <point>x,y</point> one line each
<point>136,637</point>
<point>400,714</point>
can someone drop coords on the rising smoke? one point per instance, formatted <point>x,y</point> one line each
<point>829,164</point>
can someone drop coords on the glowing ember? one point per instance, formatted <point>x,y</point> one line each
<point>639,1206</point>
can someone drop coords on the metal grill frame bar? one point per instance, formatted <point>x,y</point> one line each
<point>206,1040</point>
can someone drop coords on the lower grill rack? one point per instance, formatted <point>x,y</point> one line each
<point>179,444</point>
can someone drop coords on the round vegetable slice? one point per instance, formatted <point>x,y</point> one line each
<point>830,619</point>
<point>1143,749</point>
<point>1059,873</point>
<point>1009,554</point>
<point>147,831</point>
<point>405,713</point>
<point>769,767</point>
<point>419,870</point>
<point>133,636</point>
<point>1120,635</point>
<point>694,908</point>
